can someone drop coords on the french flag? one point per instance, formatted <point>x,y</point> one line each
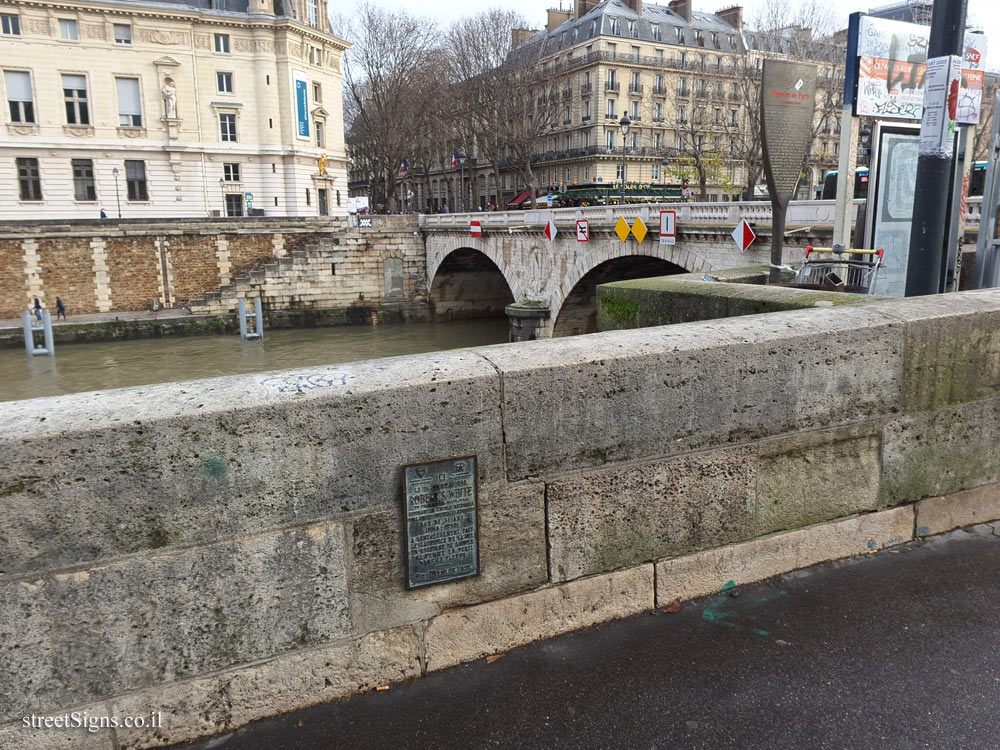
<point>404,167</point>
<point>454,160</point>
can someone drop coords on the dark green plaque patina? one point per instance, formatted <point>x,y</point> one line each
<point>442,517</point>
<point>787,102</point>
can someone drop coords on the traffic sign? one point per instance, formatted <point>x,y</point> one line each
<point>548,199</point>
<point>622,229</point>
<point>639,229</point>
<point>582,230</point>
<point>475,228</point>
<point>743,235</point>
<point>248,197</point>
<point>563,188</point>
<point>550,230</point>
<point>668,227</point>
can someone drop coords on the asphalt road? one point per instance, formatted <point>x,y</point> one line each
<point>899,649</point>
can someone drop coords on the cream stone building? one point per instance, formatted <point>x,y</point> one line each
<point>170,109</point>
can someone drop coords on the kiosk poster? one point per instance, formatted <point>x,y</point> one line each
<point>892,71</point>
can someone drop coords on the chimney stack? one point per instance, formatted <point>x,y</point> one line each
<point>520,36</point>
<point>583,7</point>
<point>733,16</point>
<point>681,8</point>
<point>557,17</point>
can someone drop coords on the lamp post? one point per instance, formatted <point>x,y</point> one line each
<point>624,122</point>
<point>222,191</point>
<point>663,175</point>
<point>118,200</point>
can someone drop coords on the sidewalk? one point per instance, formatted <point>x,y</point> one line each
<point>162,314</point>
<point>892,650</point>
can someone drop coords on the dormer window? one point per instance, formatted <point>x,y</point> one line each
<point>615,27</point>
<point>680,35</point>
<point>633,29</point>
<point>655,29</point>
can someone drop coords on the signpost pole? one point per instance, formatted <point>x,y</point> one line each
<point>844,213</point>
<point>930,205</point>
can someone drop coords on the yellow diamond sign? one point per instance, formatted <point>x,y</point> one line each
<point>639,229</point>
<point>621,229</point>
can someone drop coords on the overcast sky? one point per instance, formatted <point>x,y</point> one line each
<point>983,13</point>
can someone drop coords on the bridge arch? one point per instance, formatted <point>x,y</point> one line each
<point>576,312</point>
<point>468,283</point>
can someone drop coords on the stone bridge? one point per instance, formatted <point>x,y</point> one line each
<point>554,283</point>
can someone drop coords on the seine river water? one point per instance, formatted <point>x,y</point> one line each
<point>118,364</point>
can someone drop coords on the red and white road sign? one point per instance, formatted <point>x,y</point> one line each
<point>668,227</point>
<point>743,235</point>
<point>550,230</point>
<point>582,230</point>
<point>475,229</point>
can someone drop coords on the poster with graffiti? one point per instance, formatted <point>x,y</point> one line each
<point>893,65</point>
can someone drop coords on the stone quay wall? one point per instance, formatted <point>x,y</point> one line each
<point>225,549</point>
<point>102,266</point>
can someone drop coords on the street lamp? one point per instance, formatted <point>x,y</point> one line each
<point>663,175</point>
<point>222,191</point>
<point>624,122</point>
<point>118,200</point>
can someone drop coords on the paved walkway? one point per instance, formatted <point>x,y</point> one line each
<point>893,650</point>
<point>105,317</point>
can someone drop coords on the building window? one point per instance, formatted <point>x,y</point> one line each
<point>317,92</point>
<point>680,35</point>
<point>619,172</point>
<point>656,171</point>
<point>75,97</point>
<point>655,28</point>
<point>586,174</point>
<point>227,124</point>
<point>586,109</point>
<point>682,115</point>
<point>312,14</point>
<point>612,108</point>
<point>28,179</point>
<point>83,180</point>
<point>615,27</point>
<point>585,139</point>
<point>633,29</point>
<point>222,43</point>
<point>231,172</point>
<point>732,42</point>
<point>684,59</point>
<point>635,111</point>
<point>129,105</point>
<point>734,115</point>
<point>234,204</point>
<point>657,140</point>
<point>658,111</point>
<point>610,139</point>
<point>718,115</point>
<point>67,30</point>
<point>22,105</point>
<point>224,81</point>
<point>320,134</point>
<point>10,25</point>
<point>135,180</point>
<point>308,197</point>
<point>123,33</point>
<point>699,38</point>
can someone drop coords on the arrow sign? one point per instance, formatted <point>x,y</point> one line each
<point>582,230</point>
<point>550,230</point>
<point>743,235</point>
<point>475,229</point>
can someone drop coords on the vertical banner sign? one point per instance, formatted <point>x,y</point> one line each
<point>937,128</point>
<point>301,105</point>
<point>787,102</point>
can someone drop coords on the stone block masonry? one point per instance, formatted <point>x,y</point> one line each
<point>106,266</point>
<point>226,549</point>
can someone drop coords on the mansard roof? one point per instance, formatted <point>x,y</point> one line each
<point>600,22</point>
<point>281,7</point>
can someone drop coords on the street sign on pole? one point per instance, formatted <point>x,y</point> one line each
<point>550,230</point>
<point>743,235</point>
<point>248,197</point>
<point>668,227</point>
<point>582,230</point>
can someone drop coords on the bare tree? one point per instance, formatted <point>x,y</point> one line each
<point>392,51</point>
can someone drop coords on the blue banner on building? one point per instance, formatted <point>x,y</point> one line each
<point>301,105</point>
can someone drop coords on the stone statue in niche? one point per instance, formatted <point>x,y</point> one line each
<point>169,92</point>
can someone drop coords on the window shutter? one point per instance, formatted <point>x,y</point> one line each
<point>128,96</point>
<point>77,83</point>
<point>18,86</point>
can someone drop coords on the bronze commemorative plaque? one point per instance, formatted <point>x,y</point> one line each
<point>442,521</point>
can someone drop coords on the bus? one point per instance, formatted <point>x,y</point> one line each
<point>977,182</point>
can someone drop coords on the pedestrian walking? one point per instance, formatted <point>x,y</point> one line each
<point>60,309</point>
<point>38,309</point>
<point>104,214</point>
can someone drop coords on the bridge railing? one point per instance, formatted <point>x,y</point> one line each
<point>800,213</point>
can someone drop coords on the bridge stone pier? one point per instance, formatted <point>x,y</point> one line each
<point>552,285</point>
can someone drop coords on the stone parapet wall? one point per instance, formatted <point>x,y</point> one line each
<point>231,548</point>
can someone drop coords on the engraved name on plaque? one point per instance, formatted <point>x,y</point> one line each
<point>442,533</point>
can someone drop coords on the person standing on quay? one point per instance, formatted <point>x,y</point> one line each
<point>38,309</point>
<point>60,309</point>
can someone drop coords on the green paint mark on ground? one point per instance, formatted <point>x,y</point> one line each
<point>717,613</point>
<point>216,467</point>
